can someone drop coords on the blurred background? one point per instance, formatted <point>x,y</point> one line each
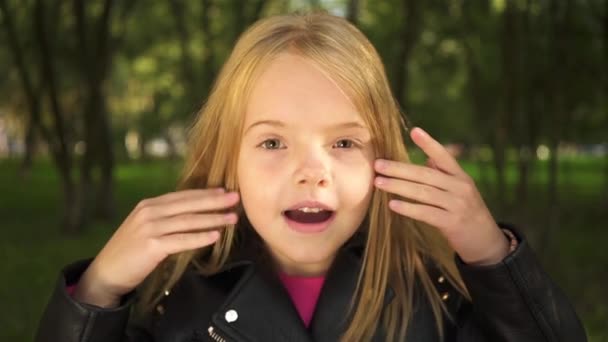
<point>96,97</point>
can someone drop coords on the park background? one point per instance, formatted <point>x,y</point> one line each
<point>96,98</point>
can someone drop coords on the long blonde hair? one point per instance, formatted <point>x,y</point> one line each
<point>398,249</point>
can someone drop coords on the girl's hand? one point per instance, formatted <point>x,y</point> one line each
<point>447,198</point>
<point>156,228</point>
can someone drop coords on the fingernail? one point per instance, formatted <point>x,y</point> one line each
<point>393,204</point>
<point>380,164</point>
<point>380,181</point>
<point>422,132</point>
<point>232,196</point>
<point>231,218</point>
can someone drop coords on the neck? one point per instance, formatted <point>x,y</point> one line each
<point>299,269</point>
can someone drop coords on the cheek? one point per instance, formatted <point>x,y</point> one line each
<point>356,166</point>
<point>258,183</point>
<point>354,176</point>
<point>355,180</point>
<point>262,170</point>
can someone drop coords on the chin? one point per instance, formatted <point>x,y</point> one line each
<point>304,252</point>
<point>309,256</point>
<point>306,256</point>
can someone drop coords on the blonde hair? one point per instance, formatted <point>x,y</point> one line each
<point>398,249</point>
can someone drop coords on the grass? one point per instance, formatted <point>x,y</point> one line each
<point>33,249</point>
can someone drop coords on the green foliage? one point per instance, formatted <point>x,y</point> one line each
<point>165,61</point>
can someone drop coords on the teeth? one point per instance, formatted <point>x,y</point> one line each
<point>310,210</point>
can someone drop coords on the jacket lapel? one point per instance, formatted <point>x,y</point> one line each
<point>332,314</point>
<point>259,306</point>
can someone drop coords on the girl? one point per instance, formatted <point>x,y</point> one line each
<point>301,218</point>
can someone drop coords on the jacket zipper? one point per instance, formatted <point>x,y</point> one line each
<point>214,335</point>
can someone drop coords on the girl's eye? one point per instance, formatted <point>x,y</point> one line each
<point>271,144</point>
<point>345,143</point>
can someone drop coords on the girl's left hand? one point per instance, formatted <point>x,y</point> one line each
<point>447,198</point>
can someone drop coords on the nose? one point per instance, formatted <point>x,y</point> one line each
<point>312,177</point>
<point>312,171</point>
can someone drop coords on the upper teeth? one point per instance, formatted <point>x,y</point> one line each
<point>310,210</point>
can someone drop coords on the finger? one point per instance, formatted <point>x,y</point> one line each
<point>188,223</point>
<point>441,157</point>
<point>182,194</point>
<point>416,173</point>
<point>434,216</point>
<point>181,242</point>
<point>199,204</point>
<point>191,204</point>
<point>419,192</point>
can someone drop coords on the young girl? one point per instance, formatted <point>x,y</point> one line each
<point>301,218</point>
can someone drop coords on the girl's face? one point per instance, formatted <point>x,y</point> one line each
<point>303,141</point>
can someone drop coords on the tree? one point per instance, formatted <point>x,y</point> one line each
<point>92,49</point>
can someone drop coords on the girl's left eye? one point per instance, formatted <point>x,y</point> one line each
<point>345,143</point>
<point>271,144</point>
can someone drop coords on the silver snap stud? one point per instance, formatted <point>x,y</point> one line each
<point>231,316</point>
<point>160,309</point>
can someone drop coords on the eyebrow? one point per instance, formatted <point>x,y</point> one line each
<point>276,123</point>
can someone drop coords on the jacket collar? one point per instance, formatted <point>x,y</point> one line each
<point>264,309</point>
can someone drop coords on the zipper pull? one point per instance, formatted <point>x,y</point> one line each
<point>214,335</point>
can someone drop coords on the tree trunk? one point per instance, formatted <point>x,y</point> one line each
<point>352,11</point>
<point>73,220</point>
<point>605,48</point>
<point>524,112</point>
<point>208,63</point>
<point>30,148</point>
<point>95,63</point>
<point>410,34</point>
<point>106,207</point>
<point>509,92</point>
<point>32,96</point>
<point>557,104</point>
<point>72,217</point>
<point>188,75</point>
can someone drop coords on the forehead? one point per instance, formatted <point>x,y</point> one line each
<point>294,90</point>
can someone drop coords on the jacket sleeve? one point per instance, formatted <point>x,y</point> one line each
<point>67,320</point>
<point>515,300</point>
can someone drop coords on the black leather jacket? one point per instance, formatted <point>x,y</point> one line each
<point>511,301</point>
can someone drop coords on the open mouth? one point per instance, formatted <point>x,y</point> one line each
<point>309,220</point>
<point>302,216</point>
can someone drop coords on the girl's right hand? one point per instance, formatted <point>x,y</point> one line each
<point>157,227</point>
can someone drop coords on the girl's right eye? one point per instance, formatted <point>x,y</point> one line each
<point>271,144</point>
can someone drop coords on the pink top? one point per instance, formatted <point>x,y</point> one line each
<point>71,289</point>
<point>304,293</point>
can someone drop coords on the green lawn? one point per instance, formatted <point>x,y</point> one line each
<point>33,250</point>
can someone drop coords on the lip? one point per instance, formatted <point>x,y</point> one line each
<point>310,204</point>
<point>309,228</point>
